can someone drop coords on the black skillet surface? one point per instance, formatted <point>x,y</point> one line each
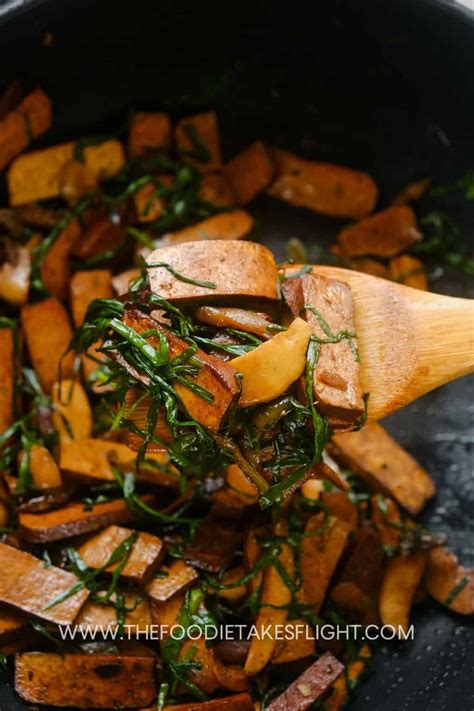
<point>384,86</point>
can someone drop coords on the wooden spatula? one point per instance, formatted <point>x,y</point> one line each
<point>410,341</point>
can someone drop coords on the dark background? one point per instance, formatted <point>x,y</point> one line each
<point>384,86</point>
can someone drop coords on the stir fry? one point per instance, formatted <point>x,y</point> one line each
<point>190,492</point>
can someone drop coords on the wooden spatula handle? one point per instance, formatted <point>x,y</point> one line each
<point>444,330</point>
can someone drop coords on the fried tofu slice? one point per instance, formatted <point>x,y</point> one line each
<point>44,470</point>
<point>108,680</point>
<point>384,466</point>
<point>370,266</point>
<point>55,269</point>
<point>343,686</point>
<point>320,550</point>
<point>215,190</point>
<point>272,613</point>
<point>72,414</point>
<point>97,616</point>
<point>48,333</point>
<point>384,234</point>
<point>12,623</point>
<point>315,681</point>
<point>90,460</point>
<point>148,204</point>
<point>400,582</point>
<point>215,376</point>
<point>73,520</point>
<point>85,286</point>
<point>448,582</point>
<point>31,587</point>
<point>298,644</point>
<point>38,175</point>
<point>198,141</point>
<point>31,118</point>
<point>412,192</point>
<point>149,132</point>
<point>409,271</point>
<point>236,702</point>
<point>249,173</point>
<point>215,543</point>
<point>224,226</point>
<point>143,559</point>
<point>357,588</point>
<point>171,580</point>
<point>327,306</point>
<point>243,270</point>
<point>7,353</point>
<point>323,187</point>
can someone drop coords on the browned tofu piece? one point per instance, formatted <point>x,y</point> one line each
<point>97,616</point>
<point>370,266</point>
<point>99,236</point>
<point>337,388</point>
<point>48,333</point>
<point>289,650</point>
<point>27,585</point>
<point>27,121</point>
<point>340,505</point>
<point>387,520</point>
<point>7,350</point>
<point>198,141</point>
<point>224,226</point>
<point>149,132</point>
<point>216,190</point>
<point>89,460</point>
<point>360,579</point>
<point>330,189</point>
<point>341,689</point>
<point>56,268</point>
<point>412,192</point>
<point>236,702</point>
<point>104,680</point>
<point>10,98</point>
<point>236,269</point>
<point>137,407</point>
<point>409,271</point>
<point>320,551</point>
<point>87,286</point>
<point>309,686</point>
<point>250,172</point>
<point>12,623</point>
<point>121,282</point>
<point>171,580</point>
<point>449,582</point>
<point>75,181</point>
<point>36,110</point>
<point>215,376</point>
<point>44,470</point>
<point>39,175</point>
<point>215,544</point>
<point>144,556</point>
<point>73,520</point>
<point>148,204</point>
<point>384,234</point>
<point>384,466</point>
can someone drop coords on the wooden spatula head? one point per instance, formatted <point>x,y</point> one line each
<point>410,341</point>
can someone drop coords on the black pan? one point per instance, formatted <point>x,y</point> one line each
<point>380,85</point>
